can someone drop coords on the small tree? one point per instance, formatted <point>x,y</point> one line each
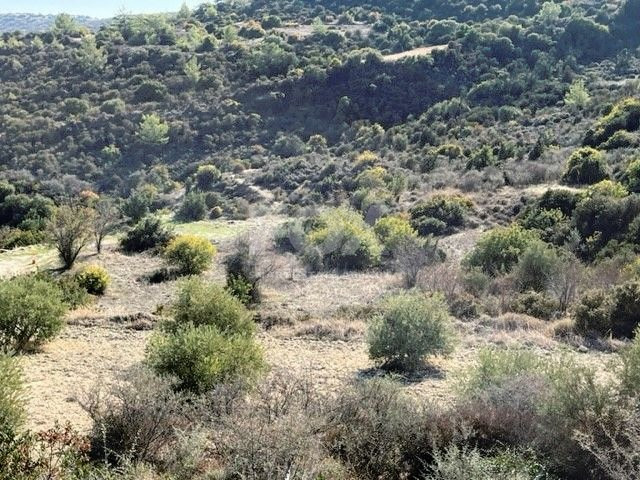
<point>70,231</point>
<point>585,167</point>
<point>206,176</point>
<point>153,130</point>
<point>577,96</point>
<point>411,327</point>
<point>106,220</point>
<point>192,70</point>
<point>193,208</point>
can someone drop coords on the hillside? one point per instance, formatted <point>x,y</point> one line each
<point>28,22</point>
<point>320,239</point>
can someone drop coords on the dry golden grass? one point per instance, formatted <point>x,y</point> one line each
<point>416,52</point>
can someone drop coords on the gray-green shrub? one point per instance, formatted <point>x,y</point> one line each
<point>410,327</point>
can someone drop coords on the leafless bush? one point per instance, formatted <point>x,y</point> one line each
<point>617,451</point>
<point>565,281</point>
<point>445,278</point>
<point>70,231</point>
<point>248,265</point>
<point>411,255</point>
<point>275,433</point>
<point>136,419</point>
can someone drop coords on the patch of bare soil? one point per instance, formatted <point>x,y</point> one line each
<point>416,52</point>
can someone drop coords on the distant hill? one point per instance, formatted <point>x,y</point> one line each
<point>29,22</point>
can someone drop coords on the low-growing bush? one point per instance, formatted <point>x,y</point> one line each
<point>630,372</point>
<point>500,249</point>
<point>344,240</point>
<point>190,254</point>
<point>440,214</point>
<point>94,279</point>
<point>31,311</point>
<point>200,304</point>
<point>203,357</point>
<point>193,208</point>
<point>536,304</point>
<point>206,177</point>
<point>585,167</point>
<point>392,231</point>
<point>615,313</point>
<point>246,267</point>
<point>411,327</point>
<point>290,237</point>
<point>137,420</point>
<point>150,233</point>
<point>536,267</point>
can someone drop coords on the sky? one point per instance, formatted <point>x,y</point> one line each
<point>93,8</point>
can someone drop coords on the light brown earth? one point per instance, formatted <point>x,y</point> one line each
<point>312,325</point>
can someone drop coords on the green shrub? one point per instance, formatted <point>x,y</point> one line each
<point>560,199</point>
<point>73,294</point>
<point>200,303</point>
<point>625,115</point>
<point>410,328</point>
<point>482,158</point>
<point>206,177</point>
<point>606,188</point>
<point>190,254</point>
<point>31,311</point>
<point>345,241</point>
<point>448,210</point>
<point>585,167</point>
<point>149,233</point>
<point>536,304</point>
<point>94,279</point>
<point>630,372</point>
<point>620,139</point>
<point>536,267</point>
<point>193,208</point>
<point>552,225</point>
<point>202,357</point>
<point>500,249</point>
<point>392,231</point>
<point>245,270</point>
<point>592,313</point>
<point>11,400</point>
<point>625,310</point>
<point>632,175</point>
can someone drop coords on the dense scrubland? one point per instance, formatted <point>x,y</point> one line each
<point>323,240</point>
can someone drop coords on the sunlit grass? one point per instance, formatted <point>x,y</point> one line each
<point>27,259</point>
<point>214,230</point>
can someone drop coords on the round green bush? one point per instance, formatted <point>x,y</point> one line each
<point>94,279</point>
<point>202,357</point>
<point>536,267</point>
<point>499,250</point>
<point>31,311</point>
<point>449,212</point>
<point>625,309</point>
<point>536,304</point>
<point>392,230</point>
<point>410,327</point>
<point>190,254</point>
<point>585,167</point>
<point>345,241</point>
<point>201,303</point>
<point>11,401</point>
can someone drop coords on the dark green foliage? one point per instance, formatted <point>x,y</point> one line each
<point>559,199</point>
<point>193,208</point>
<point>150,233</point>
<point>585,167</point>
<point>535,304</point>
<point>482,158</point>
<point>614,313</point>
<point>206,177</point>
<point>624,116</point>
<point>243,271</point>
<point>440,214</point>
<point>150,91</point>
<point>31,311</point>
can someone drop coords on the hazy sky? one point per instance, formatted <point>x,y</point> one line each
<point>93,8</point>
